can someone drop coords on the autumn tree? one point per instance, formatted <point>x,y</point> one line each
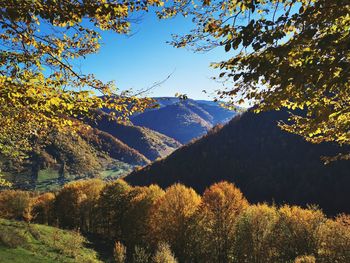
<point>41,89</point>
<point>295,232</point>
<point>171,216</point>
<point>135,227</point>
<point>140,255</point>
<point>334,240</point>
<point>3,182</point>
<point>305,259</point>
<point>80,198</point>
<point>42,210</point>
<point>221,205</point>
<point>254,234</point>
<point>112,206</point>
<point>16,204</point>
<point>290,54</point>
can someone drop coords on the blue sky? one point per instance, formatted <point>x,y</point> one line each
<point>144,58</point>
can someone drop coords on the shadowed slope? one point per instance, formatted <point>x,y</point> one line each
<point>267,164</point>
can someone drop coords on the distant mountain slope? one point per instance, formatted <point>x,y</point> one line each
<point>116,149</point>
<point>68,156</point>
<point>176,121</point>
<point>267,164</point>
<point>149,143</point>
<point>183,120</point>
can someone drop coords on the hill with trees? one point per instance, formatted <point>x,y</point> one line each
<point>266,163</point>
<point>67,156</point>
<point>183,120</point>
<point>148,142</point>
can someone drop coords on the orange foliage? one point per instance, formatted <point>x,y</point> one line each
<point>43,209</point>
<point>15,204</point>
<point>222,203</point>
<point>170,218</point>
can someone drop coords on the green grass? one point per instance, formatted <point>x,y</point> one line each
<point>20,255</point>
<point>114,173</point>
<point>47,174</point>
<point>48,179</point>
<point>23,242</point>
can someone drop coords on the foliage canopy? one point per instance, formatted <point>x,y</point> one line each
<point>285,54</point>
<point>41,88</point>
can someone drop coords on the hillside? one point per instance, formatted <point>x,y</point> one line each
<point>107,150</point>
<point>149,143</point>
<point>266,163</point>
<point>70,156</point>
<point>183,120</point>
<point>22,242</point>
<point>116,149</point>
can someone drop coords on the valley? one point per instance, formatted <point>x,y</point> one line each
<point>111,149</point>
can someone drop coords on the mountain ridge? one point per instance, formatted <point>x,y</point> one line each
<point>266,163</point>
<point>183,120</point>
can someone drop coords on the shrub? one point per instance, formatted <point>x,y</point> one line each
<point>164,254</point>
<point>140,255</point>
<point>12,238</point>
<point>119,252</point>
<point>305,259</point>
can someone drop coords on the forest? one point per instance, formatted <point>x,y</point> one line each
<point>148,224</point>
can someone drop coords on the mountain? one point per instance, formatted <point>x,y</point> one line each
<point>67,157</point>
<point>108,150</point>
<point>183,120</point>
<point>116,149</point>
<point>266,163</point>
<point>149,143</point>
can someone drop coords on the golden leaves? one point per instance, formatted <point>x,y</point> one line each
<point>36,100</point>
<point>291,54</point>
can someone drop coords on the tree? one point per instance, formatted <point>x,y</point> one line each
<point>4,182</point>
<point>16,204</point>
<point>135,227</point>
<point>112,206</point>
<point>285,54</point>
<point>305,259</point>
<point>295,232</point>
<point>334,240</point>
<point>221,204</point>
<point>254,235</point>
<point>171,216</point>
<point>43,209</point>
<point>140,255</point>
<point>80,198</point>
<point>40,89</point>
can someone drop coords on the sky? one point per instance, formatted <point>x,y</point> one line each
<point>144,58</point>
